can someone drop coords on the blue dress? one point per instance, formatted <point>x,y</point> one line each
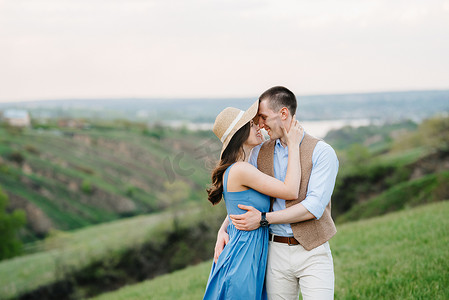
<point>240,270</point>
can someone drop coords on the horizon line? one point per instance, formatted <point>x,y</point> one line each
<point>216,97</point>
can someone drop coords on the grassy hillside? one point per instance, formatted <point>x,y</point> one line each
<point>71,174</point>
<point>407,170</point>
<point>70,177</point>
<point>397,256</point>
<point>112,254</point>
<point>70,251</point>
<point>67,178</point>
<point>426,189</point>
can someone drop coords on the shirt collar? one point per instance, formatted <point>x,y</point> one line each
<point>279,144</point>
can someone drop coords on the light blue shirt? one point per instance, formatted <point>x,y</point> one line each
<point>321,182</point>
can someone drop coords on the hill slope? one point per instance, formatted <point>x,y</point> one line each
<point>67,178</point>
<point>405,168</point>
<point>70,251</point>
<point>103,257</point>
<point>397,256</point>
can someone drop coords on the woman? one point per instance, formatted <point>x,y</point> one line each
<point>239,272</point>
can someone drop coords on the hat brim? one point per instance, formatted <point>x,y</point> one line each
<point>247,116</point>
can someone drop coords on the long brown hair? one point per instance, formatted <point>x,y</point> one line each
<point>229,156</point>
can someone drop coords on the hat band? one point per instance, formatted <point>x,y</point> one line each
<point>225,135</point>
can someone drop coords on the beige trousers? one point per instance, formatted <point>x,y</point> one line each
<point>291,268</point>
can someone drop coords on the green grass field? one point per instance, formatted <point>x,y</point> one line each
<point>402,255</point>
<point>75,250</point>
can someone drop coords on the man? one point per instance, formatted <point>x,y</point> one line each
<point>299,257</point>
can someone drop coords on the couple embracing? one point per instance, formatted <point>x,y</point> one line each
<point>274,241</point>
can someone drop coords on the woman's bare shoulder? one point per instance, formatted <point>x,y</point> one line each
<point>243,167</point>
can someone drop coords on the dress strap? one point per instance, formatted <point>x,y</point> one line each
<point>225,179</point>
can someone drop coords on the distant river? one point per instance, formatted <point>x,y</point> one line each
<point>315,128</point>
<point>321,128</point>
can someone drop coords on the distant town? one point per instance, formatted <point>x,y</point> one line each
<point>388,106</point>
<point>16,117</point>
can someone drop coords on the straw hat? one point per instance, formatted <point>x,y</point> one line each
<point>230,120</point>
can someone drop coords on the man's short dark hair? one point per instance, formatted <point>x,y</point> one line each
<point>279,97</point>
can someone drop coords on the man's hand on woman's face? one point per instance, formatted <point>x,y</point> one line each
<point>247,221</point>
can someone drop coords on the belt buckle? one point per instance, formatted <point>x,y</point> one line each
<point>288,242</point>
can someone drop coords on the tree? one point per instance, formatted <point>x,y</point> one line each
<point>435,132</point>
<point>10,224</point>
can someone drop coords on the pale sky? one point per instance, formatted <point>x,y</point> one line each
<point>51,49</point>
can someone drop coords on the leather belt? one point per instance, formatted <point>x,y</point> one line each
<point>283,239</point>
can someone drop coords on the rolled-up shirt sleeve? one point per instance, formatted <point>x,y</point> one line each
<point>322,179</point>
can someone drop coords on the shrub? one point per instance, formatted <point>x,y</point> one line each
<point>86,187</point>
<point>31,149</point>
<point>17,157</point>
<point>130,191</point>
<point>10,224</point>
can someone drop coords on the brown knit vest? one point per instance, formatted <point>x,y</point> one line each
<point>311,233</point>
